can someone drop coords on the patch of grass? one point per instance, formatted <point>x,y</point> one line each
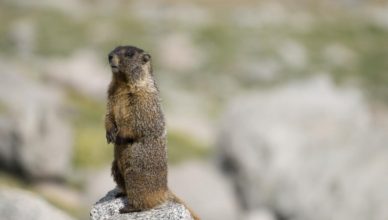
<point>220,42</point>
<point>365,39</point>
<point>182,146</point>
<point>54,31</point>
<point>7,15</point>
<point>3,108</point>
<point>58,33</point>
<point>90,148</point>
<point>8,180</point>
<point>75,211</point>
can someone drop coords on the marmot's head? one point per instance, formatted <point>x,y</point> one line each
<point>131,63</point>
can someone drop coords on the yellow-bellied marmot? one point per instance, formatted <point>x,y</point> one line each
<point>135,124</point>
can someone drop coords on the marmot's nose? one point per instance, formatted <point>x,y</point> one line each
<point>110,57</point>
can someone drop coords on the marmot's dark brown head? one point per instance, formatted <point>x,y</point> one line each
<point>131,63</point>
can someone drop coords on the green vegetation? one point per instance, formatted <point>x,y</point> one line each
<point>3,108</point>
<point>90,148</point>
<point>365,40</point>
<point>72,209</point>
<point>54,36</point>
<point>8,180</point>
<point>182,146</point>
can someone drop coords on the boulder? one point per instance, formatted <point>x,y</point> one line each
<point>307,150</point>
<point>108,207</point>
<point>16,204</point>
<point>36,140</point>
<point>205,189</point>
<point>82,71</point>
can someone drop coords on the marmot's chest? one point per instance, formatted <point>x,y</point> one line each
<point>124,108</point>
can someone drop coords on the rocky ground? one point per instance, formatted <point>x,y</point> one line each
<point>275,110</point>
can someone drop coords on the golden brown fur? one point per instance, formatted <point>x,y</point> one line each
<point>135,124</point>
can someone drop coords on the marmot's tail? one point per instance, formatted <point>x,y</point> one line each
<point>176,199</point>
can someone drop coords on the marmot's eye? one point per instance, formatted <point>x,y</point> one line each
<point>129,54</point>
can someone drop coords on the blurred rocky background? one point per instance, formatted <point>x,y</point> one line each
<point>276,110</point>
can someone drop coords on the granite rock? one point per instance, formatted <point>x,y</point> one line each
<point>107,208</point>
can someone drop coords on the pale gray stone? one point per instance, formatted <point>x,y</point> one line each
<point>108,207</point>
<point>36,138</point>
<point>16,204</point>
<point>308,150</point>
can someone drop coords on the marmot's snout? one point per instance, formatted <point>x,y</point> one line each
<point>114,62</point>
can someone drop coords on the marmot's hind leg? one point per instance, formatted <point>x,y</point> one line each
<point>138,202</point>
<point>118,178</point>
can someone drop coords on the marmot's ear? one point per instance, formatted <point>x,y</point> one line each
<point>146,57</point>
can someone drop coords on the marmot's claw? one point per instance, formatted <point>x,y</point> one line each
<point>111,135</point>
<point>108,138</point>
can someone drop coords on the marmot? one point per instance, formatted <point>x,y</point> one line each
<point>135,123</point>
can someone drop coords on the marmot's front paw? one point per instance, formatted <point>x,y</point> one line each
<point>111,135</point>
